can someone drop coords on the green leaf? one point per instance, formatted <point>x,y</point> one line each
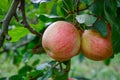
<point>46,7</point>
<point>59,75</point>
<point>111,7</point>
<point>86,1</point>
<point>61,11</point>
<point>33,42</point>
<point>86,19</point>
<point>110,13</point>
<point>43,66</point>
<point>17,33</point>
<point>1,17</point>
<point>39,1</point>
<point>107,62</point>
<point>50,18</point>
<point>52,63</point>
<point>36,5</point>
<point>64,8</point>
<point>101,27</point>
<point>118,12</point>
<point>82,5</point>
<point>47,74</point>
<point>34,74</point>
<point>35,62</point>
<point>54,9</point>
<point>68,5</point>
<point>4,7</point>
<point>17,58</point>
<point>26,56</point>
<point>98,8</point>
<point>16,77</point>
<point>116,39</point>
<point>25,69</point>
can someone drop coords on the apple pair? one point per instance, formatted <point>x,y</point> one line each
<point>61,41</point>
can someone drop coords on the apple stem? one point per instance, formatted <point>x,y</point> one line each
<point>60,64</point>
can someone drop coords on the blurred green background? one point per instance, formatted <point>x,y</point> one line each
<point>94,70</point>
<point>18,58</point>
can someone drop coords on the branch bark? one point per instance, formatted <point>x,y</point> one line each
<point>6,21</point>
<point>12,13</point>
<point>25,22</point>
<point>7,49</point>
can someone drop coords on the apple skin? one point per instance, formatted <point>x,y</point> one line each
<point>61,41</point>
<point>96,47</point>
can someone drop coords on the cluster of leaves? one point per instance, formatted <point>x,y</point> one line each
<point>41,13</point>
<point>43,71</point>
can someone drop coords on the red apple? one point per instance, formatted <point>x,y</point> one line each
<point>96,47</point>
<point>61,41</point>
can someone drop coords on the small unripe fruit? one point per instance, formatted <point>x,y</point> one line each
<point>96,47</point>
<point>61,41</point>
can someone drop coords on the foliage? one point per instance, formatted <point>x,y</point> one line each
<point>85,14</point>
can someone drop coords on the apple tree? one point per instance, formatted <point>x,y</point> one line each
<point>23,23</point>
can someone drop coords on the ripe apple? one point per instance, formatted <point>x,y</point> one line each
<point>61,41</point>
<point>96,47</point>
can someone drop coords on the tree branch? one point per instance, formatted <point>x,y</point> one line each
<point>16,17</point>
<point>77,4</point>
<point>12,12</point>
<point>25,23</point>
<point>7,49</point>
<point>6,21</point>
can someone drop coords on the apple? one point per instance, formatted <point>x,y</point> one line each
<point>61,41</point>
<point>96,47</point>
